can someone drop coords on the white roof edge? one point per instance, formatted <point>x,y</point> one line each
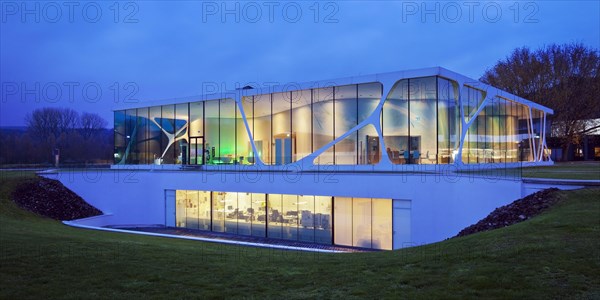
<point>291,86</point>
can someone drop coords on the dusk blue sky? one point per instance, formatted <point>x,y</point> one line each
<point>172,48</point>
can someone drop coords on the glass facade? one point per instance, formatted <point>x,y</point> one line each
<point>421,123</point>
<point>363,222</point>
<point>359,222</point>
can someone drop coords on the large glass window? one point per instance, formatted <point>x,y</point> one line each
<point>482,135</point>
<point>167,125</point>
<point>259,215</point>
<point>262,127</point>
<point>343,221</point>
<point>218,211</point>
<point>369,95</point>
<point>248,105</point>
<point>204,210</point>
<point>361,222</point>
<point>501,148</point>
<point>290,217</point>
<point>181,133</point>
<point>211,131</point>
<point>323,118</point>
<point>394,123</point>
<point>196,119</point>
<point>142,136</point>
<point>191,210</point>
<point>382,224</point>
<point>448,121</point>
<point>120,140</point>
<point>243,149</point>
<point>346,106</point>
<point>180,208</point>
<point>283,143</point>
<point>231,212</point>
<point>369,148</point>
<point>131,150</point>
<point>472,98</point>
<point>301,124</point>
<point>155,135</point>
<point>423,120</point>
<point>538,124</point>
<point>323,218</point>
<point>244,214</point>
<point>227,132</point>
<point>306,218</point>
<point>512,132</point>
<point>525,141</point>
<point>275,216</point>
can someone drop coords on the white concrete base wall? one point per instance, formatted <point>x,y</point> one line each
<point>440,205</point>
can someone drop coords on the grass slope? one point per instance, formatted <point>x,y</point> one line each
<point>554,255</point>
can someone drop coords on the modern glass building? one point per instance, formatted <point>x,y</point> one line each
<point>435,119</point>
<point>369,127</point>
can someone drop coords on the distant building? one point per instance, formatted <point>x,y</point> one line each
<point>588,147</point>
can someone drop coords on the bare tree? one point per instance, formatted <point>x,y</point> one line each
<point>45,122</point>
<point>565,78</point>
<point>91,124</point>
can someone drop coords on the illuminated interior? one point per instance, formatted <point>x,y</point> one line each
<point>420,122</point>
<point>357,222</point>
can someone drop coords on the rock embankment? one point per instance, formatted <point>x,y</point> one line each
<point>52,199</point>
<point>518,211</point>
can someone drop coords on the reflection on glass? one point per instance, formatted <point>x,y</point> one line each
<point>244,214</point>
<point>323,218</point>
<point>131,137</point>
<point>246,151</point>
<point>369,148</point>
<point>306,218</point>
<point>120,140</point>
<point>180,208</point>
<point>204,210</point>
<point>226,133</point>
<point>382,224</point>
<point>275,216</point>
<point>301,124</point>
<point>345,101</point>
<point>343,221</point>
<point>394,119</point>
<point>243,149</point>
<point>283,142</point>
<point>211,131</point>
<point>290,217</point>
<point>155,140</point>
<point>167,126</point>
<point>232,212</point>
<point>218,211</point>
<point>181,133</point>
<point>262,127</point>
<point>361,222</point>
<point>323,117</point>
<point>191,209</point>
<point>259,215</point>
<point>423,120</point>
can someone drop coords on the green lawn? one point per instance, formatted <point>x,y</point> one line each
<point>567,170</point>
<point>555,255</point>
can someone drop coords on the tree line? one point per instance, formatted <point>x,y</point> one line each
<point>79,138</point>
